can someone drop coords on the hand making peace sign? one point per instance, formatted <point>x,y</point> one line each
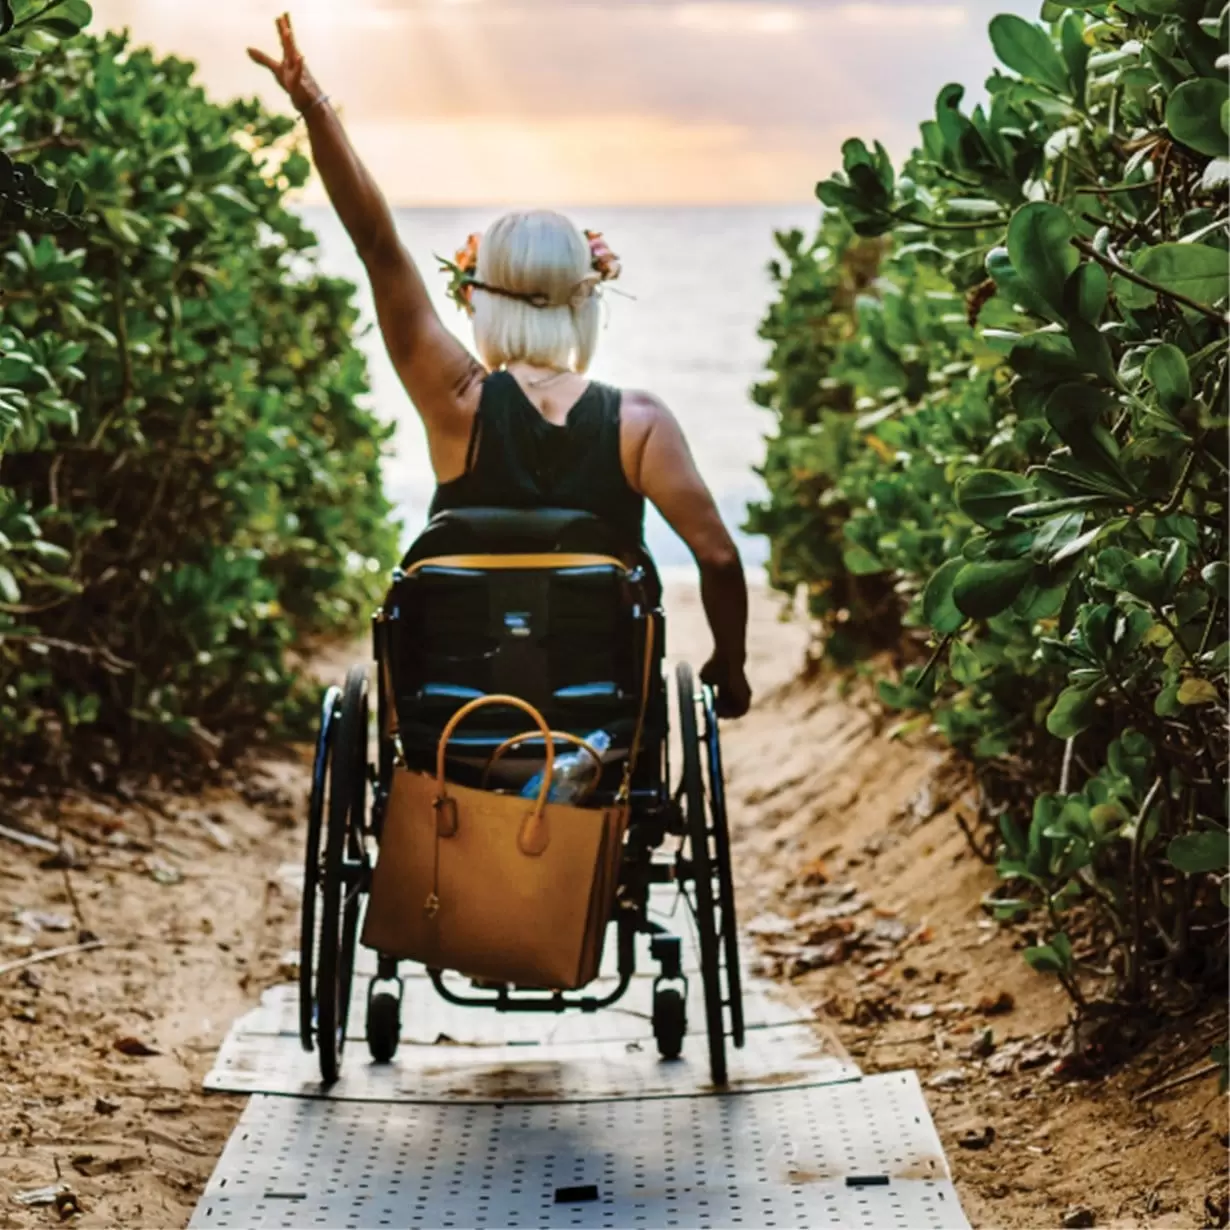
<point>291,72</point>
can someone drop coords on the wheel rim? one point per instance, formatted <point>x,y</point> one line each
<point>340,883</point>
<point>702,873</point>
<point>729,931</point>
<point>311,868</point>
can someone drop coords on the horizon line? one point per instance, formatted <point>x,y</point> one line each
<point>575,205</point>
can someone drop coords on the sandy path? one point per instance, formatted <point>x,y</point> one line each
<point>849,859</point>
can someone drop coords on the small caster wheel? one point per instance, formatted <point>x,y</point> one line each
<point>383,1024</point>
<point>670,1021</point>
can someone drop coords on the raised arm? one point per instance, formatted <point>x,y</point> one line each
<point>440,375</point>
<point>659,464</point>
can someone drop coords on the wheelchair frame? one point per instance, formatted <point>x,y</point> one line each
<point>343,838</point>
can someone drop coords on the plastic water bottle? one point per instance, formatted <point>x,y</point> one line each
<point>573,773</point>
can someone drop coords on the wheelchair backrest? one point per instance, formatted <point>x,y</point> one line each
<point>540,604</point>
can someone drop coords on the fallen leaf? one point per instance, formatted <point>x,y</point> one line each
<point>67,1205</point>
<point>769,925</point>
<point>977,1138</point>
<point>164,873</point>
<point>949,1078</point>
<point>38,1196</point>
<point>983,1045</point>
<point>814,873</point>
<point>996,1005</point>
<point>1079,1216</point>
<point>37,920</point>
<point>91,1165</point>
<point>135,1047</point>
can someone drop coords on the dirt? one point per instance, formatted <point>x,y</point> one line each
<point>189,898</point>
<point>855,881</point>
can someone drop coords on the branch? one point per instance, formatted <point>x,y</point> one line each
<point>1124,272</point>
<point>53,142</point>
<point>1207,1070</point>
<point>50,954</point>
<point>931,224</point>
<point>1066,773</point>
<point>1134,970</point>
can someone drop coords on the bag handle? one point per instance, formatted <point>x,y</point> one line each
<point>560,736</point>
<point>532,837</point>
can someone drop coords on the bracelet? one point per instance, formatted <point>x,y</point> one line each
<point>320,98</point>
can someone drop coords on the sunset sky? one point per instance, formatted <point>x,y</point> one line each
<point>597,101</point>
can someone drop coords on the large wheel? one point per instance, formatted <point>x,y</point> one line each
<point>728,932</point>
<point>700,872</point>
<point>341,878</point>
<point>312,868</point>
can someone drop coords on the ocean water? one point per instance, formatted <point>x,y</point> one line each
<point>688,334</point>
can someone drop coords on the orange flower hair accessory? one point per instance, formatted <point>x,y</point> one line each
<point>463,280</point>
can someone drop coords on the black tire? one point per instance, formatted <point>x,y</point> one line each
<point>670,1021</point>
<point>729,925</point>
<point>696,827</point>
<point>383,1025</point>
<point>312,868</point>
<point>341,880</point>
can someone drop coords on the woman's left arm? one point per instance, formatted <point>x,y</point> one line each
<point>439,373</point>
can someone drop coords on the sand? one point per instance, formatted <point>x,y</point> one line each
<point>854,877</point>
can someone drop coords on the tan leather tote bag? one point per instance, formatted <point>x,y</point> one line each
<point>493,885</point>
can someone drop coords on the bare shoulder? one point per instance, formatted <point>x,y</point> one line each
<point>641,412</point>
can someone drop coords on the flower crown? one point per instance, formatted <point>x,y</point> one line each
<point>463,267</point>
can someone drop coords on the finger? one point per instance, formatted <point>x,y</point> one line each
<point>262,59</point>
<point>288,38</point>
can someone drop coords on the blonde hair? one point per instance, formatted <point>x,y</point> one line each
<point>536,253</point>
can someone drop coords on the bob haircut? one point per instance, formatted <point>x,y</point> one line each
<point>536,253</point>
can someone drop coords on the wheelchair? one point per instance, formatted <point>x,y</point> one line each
<point>544,605</point>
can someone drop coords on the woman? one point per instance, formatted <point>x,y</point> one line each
<point>526,426</point>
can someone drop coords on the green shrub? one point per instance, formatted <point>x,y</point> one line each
<point>189,481</point>
<point>1024,440</point>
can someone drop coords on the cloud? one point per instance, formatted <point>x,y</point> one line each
<point>611,99</point>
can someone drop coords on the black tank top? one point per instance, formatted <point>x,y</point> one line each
<point>517,459</point>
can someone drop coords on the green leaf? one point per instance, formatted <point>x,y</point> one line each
<point>1074,711</point>
<point>963,663</point>
<point>1217,577</point>
<point>232,195</point>
<point>1166,370</point>
<point>1028,50</point>
<point>1193,115</point>
<point>76,200</point>
<point>1075,54</point>
<point>1143,577</point>
<point>1196,270</point>
<point>988,496</point>
<point>1193,853</point>
<point>1040,247</point>
<point>983,589</point>
<point>10,591</point>
<point>860,561</point>
<point>1050,958</point>
<point>1087,291</point>
<point>1014,288</point>
<point>939,609</point>
<point>6,17</point>
<point>1055,535</point>
<point>65,20</point>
